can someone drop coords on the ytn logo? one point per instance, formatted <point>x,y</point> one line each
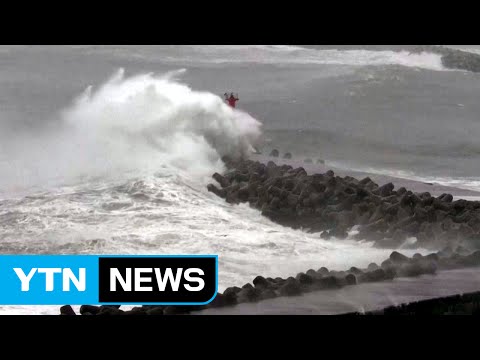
<point>67,277</point>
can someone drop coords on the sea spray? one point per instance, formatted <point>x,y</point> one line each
<point>149,120</point>
<point>139,123</point>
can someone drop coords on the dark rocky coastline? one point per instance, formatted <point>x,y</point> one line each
<point>452,58</point>
<point>333,205</point>
<point>261,288</point>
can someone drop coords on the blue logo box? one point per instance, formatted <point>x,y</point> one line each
<point>69,279</point>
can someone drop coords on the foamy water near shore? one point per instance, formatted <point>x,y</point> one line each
<point>349,249</point>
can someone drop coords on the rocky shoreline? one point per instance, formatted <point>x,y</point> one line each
<point>452,58</point>
<point>334,205</point>
<point>397,265</point>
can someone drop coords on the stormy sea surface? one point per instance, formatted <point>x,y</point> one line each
<point>108,149</point>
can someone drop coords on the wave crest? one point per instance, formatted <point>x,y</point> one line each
<point>146,120</point>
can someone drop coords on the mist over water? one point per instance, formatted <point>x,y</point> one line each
<point>278,55</point>
<point>119,165</point>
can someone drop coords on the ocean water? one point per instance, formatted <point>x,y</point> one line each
<point>108,149</point>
